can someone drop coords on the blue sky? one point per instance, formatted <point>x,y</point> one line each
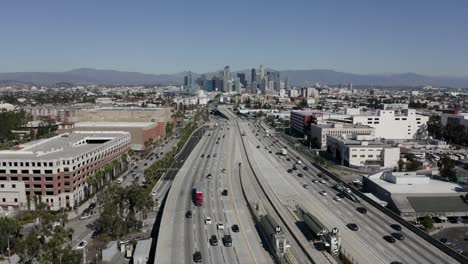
<point>168,36</point>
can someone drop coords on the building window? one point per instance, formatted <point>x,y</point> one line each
<point>4,200</point>
<point>354,156</point>
<point>370,156</point>
<point>13,171</point>
<point>16,200</point>
<point>2,185</point>
<point>363,156</point>
<point>25,171</point>
<point>13,186</point>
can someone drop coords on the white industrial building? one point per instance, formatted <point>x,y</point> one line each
<point>412,195</point>
<point>392,124</point>
<point>321,131</point>
<point>361,150</point>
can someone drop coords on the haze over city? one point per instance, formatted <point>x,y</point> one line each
<point>366,37</point>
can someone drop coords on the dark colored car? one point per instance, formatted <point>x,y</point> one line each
<point>202,155</point>
<point>188,214</point>
<point>197,257</point>
<point>362,210</point>
<point>300,175</point>
<point>389,239</point>
<point>208,156</point>
<point>214,240</point>
<point>227,241</point>
<point>235,228</point>
<point>225,192</point>
<point>294,168</point>
<point>269,151</point>
<point>288,159</point>
<point>305,168</point>
<point>290,170</point>
<point>92,206</point>
<point>353,226</point>
<point>396,227</point>
<point>398,236</point>
<point>258,146</point>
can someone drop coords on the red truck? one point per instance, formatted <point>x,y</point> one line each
<point>198,196</point>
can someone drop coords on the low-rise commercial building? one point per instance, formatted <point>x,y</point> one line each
<point>411,195</point>
<point>321,131</point>
<point>54,170</point>
<point>362,151</point>
<point>455,117</point>
<point>141,132</point>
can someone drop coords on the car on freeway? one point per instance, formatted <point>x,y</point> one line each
<point>202,155</point>
<point>396,227</point>
<point>389,239</point>
<point>235,228</point>
<point>223,170</point>
<point>197,257</point>
<point>214,240</point>
<point>398,236</point>
<point>214,155</point>
<point>209,156</point>
<point>324,193</point>
<point>362,210</point>
<point>322,181</point>
<point>306,186</point>
<point>208,220</point>
<point>209,176</point>
<point>270,151</point>
<point>300,175</point>
<point>85,216</point>
<point>220,226</point>
<point>227,241</point>
<point>81,245</point>
<point>294,167</point>
<point>337,198</point>
<point>153,193</point>
<point>188,214</point>
<point>315,181</point>
<point>288,159</point>
<point>258,146</point>
<point>305,168</point>
<point>353,226</point>
<point>290,170</point>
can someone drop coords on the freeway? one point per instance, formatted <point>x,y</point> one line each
<point>180,237</point>
<point>363,246</point>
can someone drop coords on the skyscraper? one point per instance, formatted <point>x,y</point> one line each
<point>253,75</point>
<point>227,80</point>
<point>242,79</point>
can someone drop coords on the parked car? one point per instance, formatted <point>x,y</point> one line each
<point>81,245</point>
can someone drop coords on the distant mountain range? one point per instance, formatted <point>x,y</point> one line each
<point>295,77</point>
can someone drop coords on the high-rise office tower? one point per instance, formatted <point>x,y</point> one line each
<point>227,80</point>
<point>237,85</point>
<point>253,75</point>
<point>242,79</point>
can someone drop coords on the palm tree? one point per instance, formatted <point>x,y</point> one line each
<point>115,167</point>
<point>107,171</point>
<point>91,181</point>
<point>99,175</point>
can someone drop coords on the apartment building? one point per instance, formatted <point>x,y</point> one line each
<point>55,170</point>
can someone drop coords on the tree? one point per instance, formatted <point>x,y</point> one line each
<point>413,164</point>
<point>9,230</point>
<point>448,168</point>
<point>119,208</point>
<point>401,163</point>
<point>427,222</point>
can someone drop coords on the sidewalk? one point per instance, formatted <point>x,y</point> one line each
<point>75,213</point>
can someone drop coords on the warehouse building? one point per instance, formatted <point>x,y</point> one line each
<point>411,195</point>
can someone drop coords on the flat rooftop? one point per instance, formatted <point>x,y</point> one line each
<point>114,124</point>
<point>438,204</point>
<point>62,146</point>
<point>433,187</point>
<point>111,109</point>
<point>341,125</point>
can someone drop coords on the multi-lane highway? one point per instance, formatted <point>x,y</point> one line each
<point>363,246</point>
<point>181,236</point>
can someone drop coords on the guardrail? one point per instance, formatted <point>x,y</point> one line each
<point>398,219</point>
